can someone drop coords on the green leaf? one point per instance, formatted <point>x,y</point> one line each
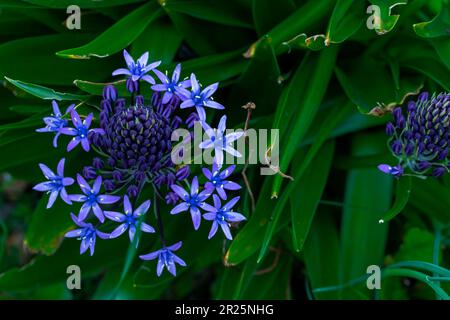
<point>48,226</point>
<point>439,26</point>
<point>259,83</point>
<point>63,4</point>
<point>303,20</point>
<point>346,19</point>
<point>217,11</point>
<point>47,270</point>
<point>417,245</point>
<point>117,37</point>
<point>368,194</point>
<point>386,21</point>
<point>43,92</point>
<point>161,39</point>
<point>322,254</point>
<point>305,200</point>
<point>250,237</point>
<point>402,193</point>
<point>308,187</point>
<point>44,67</point>
<point>375,102</point>
<point>299,104</point>
<point>279,10</point>
<point>432,198</point>
<point>302,41</point>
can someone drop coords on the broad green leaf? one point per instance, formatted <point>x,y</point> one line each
<point>47,270</point>
<point>297,108</point>
<point>346,19</point>
<point>322,254</point>
<point>442,47</point>
<point>305,200</point>
<point>365,73</point>
<point>368,194</point>
<point>439,26</point>
<point>160,39</point>
<point>305,193</point>
<point>432,198</point>
<point>33,60</point>
<point>303,20</point>
<point>43,92</point>
<point>218,11</point>
<point>422,58</point>
<point>386,21</point>
<point>259,82</point>
<point>271,285</point>
<point>250,237</point>
<point>417,245</point>
<point>63,4</point>
<point>117,37</point>
<point>402,193</point>
<point>279,10</point>
<point>48,226</point>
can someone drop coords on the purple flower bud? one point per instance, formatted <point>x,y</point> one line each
<point>176,122</point>
<point>191,119</point>
<point>409,149</point>
<point>98,163</point>
<point>397,147</point>
<point>172,198</point>
<point>156,100</point>
<point>117,175</point>
<point>411,106</point>
<point>159,180</point>
<point>423,165</point>
<point>109,185</point>
<point>170,179</point>
<point>140,176</point>
<point>110,93</point>
<point>139,100</point>
<point>132,191</point>
<point>106,106</point>
<point>89,172</point>
<point>439,171</point>
<point>390,129</point>
<point>397,113</point>
<point>423,96</point>
<point>182,173</point>
<point>442,154</point>
<point>132,86</point>
<point>111,162</point>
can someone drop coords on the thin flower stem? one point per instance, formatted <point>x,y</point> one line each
<point>249,107</point>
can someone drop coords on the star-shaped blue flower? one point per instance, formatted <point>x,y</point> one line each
<point>168,86</point>
<point>166,258</point>
<point>220,141</point>
<point>92,198</point>
<point>193,201</point>
<point>56,183</point>
<point>87,233</point>
<point>55,122</point>
<point>199,98</point>
<point>80,131</point>
<point>129,220</point>
<point>137,70</point>
<point>217,180</point>
<point>221,216</point>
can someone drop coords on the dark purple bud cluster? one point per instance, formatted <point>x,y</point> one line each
<point>421,138</point>
<point>137,141</point>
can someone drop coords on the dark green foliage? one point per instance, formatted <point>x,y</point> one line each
<point>314,70</point>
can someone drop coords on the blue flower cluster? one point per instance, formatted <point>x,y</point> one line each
<point>420,140</point>
<point>133,150</point>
